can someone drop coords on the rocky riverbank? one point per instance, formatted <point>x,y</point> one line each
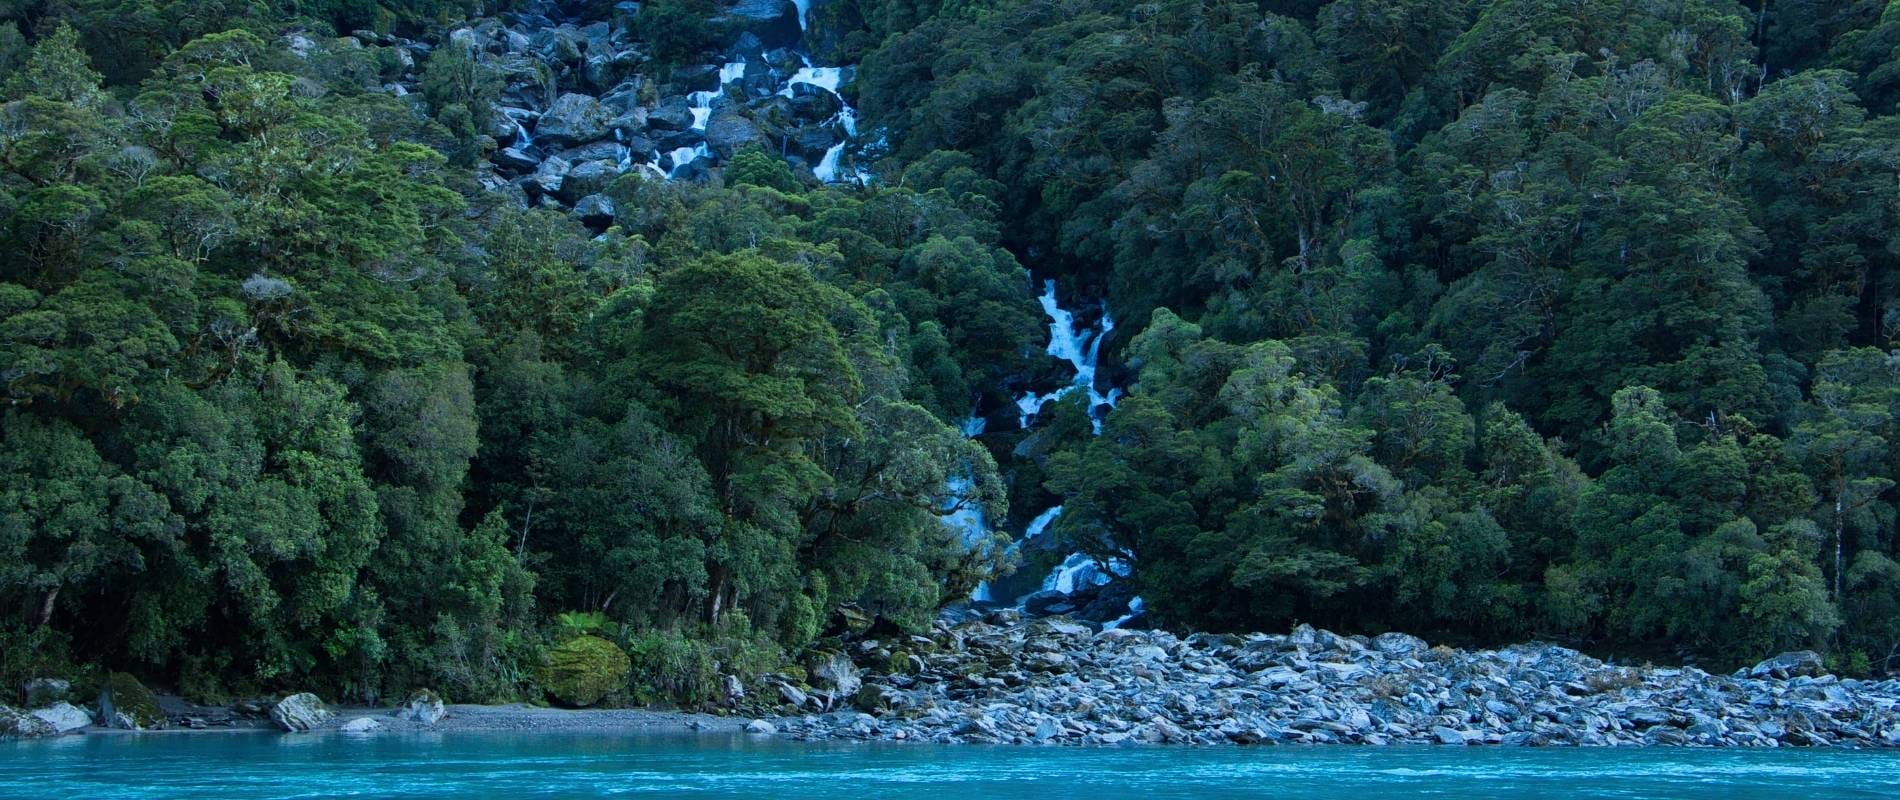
<point>1003,679</point>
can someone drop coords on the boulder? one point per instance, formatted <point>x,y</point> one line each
<point>835,673</point>
<point>761,727</point>
<point>728,132</point>
<point>672,115</point>
<point>65,717</point>
<point>126,704</point>
<point>46,691</point>
<point>572,119</point>
<point>596,211</point>
<point>360,725</point>
<point>549,176</point>
<point>423,706</point>
<point>1400,644</point>
<point>733,687</point>
<point>515,161</point>
<point>583,670</point>
<point>15,725</point>
<point>300,712</point>
<point>586,178</point>
<point>1794,664</point>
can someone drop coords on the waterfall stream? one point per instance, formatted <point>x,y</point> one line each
<point>1081,348</point>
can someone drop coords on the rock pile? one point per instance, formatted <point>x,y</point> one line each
<point>1055,681</point>
<point>583,101</point>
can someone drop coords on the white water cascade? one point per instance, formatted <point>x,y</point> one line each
<point>1081,349</point>
<point>828,79</point>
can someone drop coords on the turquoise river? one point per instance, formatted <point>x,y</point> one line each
<point>469,766</point>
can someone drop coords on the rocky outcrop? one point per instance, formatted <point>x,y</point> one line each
<point>300,712</point>
<point>1053,681</point>
<point>126,704</point>
<point>17,725</point>
<point>424,707</point>
<point>65,717</point>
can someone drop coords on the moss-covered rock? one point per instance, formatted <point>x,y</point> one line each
<point>126,703</point>
<point>583,670</point>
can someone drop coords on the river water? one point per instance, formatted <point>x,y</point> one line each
<point>466,766</point>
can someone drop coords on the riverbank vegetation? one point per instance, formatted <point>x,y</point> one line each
<point>1480,319</point>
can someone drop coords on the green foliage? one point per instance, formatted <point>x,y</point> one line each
<point>583,670</point>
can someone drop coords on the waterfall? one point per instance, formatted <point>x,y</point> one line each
<point>701,107</point>
<point>1082,349</point>
<point>804,11</point>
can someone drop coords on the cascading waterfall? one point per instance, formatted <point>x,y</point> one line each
<point>829,79</point>
<point>1082,349</point>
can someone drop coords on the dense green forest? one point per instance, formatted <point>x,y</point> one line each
<point>1486,320</point>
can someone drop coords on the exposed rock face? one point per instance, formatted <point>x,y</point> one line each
<point>65,717</point>
<point>998,679</point>
<point>424,707</point>
<point>300,712</point>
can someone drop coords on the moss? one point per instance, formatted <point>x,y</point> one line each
<point>131,698</point>
<point>583,670</point>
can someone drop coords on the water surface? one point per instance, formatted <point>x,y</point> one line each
<point>466,766</point>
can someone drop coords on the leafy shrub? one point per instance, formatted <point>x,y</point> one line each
<point>583,670</point>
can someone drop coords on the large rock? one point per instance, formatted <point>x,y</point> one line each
<point>300,712</point>
<point>1791,665</point>
<point>15,725</point>
<point>360,726</point>
<point>424,707</point>
<point>46,691</point>
<point>596,211</point>
<point>672,115</point>
<point>586,178</point>
<point>549,177</point>
<point>65,717</point>
<point>835,673</point>
<point>728,132</point>
<point>572,119</point>
<point>515,161</point>
<point>126,704</point>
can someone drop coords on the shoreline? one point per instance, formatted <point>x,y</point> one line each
<point>996,678</point>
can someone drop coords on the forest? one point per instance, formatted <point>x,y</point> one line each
<point>1483,320</point>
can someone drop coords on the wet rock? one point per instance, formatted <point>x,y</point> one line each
<point>761,727</point>
<point>299,712</point>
